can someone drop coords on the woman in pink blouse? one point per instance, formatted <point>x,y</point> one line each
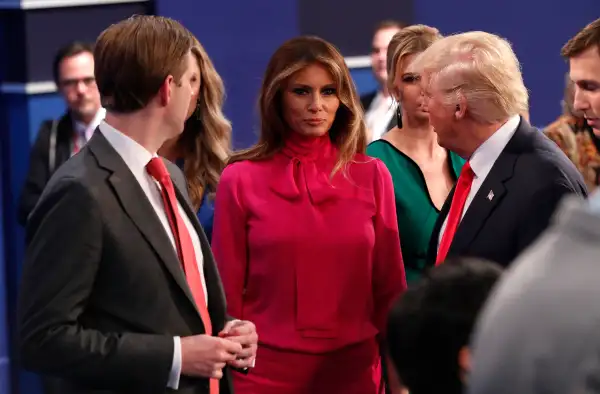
<point>305,233</point>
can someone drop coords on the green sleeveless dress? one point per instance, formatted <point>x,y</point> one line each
<point>415,210</point>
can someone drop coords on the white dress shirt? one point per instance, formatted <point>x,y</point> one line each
<point>483,159</point>
<point>137,157</point>
<point>379,114</point>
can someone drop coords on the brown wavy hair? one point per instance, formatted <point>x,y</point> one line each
<point>205,143</point>
<point>348,131</point>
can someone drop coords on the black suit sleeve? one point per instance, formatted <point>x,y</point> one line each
<point>65,235</point>
<point>37,174</point>
<point>540,212</point>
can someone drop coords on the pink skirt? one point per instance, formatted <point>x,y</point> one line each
<point>352,370</point>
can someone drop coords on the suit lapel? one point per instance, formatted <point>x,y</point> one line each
<point>136,205</point>
<point>492,191</point>
<point>488,197</point>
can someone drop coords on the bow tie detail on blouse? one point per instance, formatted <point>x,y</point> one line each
<point>308,170</point>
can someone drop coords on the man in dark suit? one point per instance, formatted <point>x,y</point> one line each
<point>547,341</point>
<point>515,176</point>
<point>120,291</point>
<point>57,140</point>
<point>380,109</point>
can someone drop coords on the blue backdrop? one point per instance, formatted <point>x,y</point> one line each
<point>241,42</point>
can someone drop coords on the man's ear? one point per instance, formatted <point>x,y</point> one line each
<point>461,108</point>
<point>164,93</point>
<point>464,362</point>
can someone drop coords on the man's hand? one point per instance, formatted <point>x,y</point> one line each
<point>206,356</point>
<point>244,333</point>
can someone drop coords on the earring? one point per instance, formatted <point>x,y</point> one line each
<point>197,112</point>
<point>399,116</point>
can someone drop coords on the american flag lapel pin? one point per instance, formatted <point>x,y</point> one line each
<point>490,195</point>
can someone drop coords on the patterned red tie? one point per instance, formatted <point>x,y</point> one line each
<point>463,186</point>
<point>183,241</point>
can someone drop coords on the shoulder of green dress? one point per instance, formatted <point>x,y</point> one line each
<point>377,147</point>
<point>457,162</point>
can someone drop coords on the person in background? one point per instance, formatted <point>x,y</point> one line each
<point>379,106</point>
<point>538,333</point>
<point>58,140</point>
<point>577,139</point>
<point>515,176</point>
<point>430,325</point>
<point>204,146</point>
<point>305,234</point>
<point>422,171</point>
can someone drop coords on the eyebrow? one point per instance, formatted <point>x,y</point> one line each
<point>304,86</point>
<point>587,81</point>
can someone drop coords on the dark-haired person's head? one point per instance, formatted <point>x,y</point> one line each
<point>430,325</point>
<point>73,72</point>
<point>583,53</point>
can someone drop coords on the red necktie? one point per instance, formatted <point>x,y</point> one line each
<point>463,186</point>
<point>76,144</point>
<point>183,241</point>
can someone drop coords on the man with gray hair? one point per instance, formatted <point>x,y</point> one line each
<point>539,331</point>
<point>514,176</point>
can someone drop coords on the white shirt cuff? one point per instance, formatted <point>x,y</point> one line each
<point>173,382</point>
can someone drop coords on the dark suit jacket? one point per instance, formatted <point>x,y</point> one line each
<point>528,180</point>
<point>103,292</point>
<point>39,172</point>
<point>367,99</point>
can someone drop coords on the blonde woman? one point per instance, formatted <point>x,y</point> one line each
<point>422,171</point>
<point>306,236</point>
<point>204,146</point>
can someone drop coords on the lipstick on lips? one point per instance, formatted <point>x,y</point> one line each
<point>314,121</point>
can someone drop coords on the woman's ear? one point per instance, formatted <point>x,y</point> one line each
<point>396,94</point>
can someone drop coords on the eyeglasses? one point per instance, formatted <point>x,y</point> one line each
<point>73,83</point>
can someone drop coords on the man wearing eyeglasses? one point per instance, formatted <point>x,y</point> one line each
<point>57,140</point>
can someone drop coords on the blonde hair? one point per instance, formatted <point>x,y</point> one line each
<point>409,41</point>
<point>205,143</point>
<point>348,131</point>
<point>480,68</point>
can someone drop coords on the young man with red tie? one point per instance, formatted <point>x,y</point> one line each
<point>132,301</point>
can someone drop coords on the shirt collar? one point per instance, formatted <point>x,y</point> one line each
<point>133,154</point>
<point>484,157</point>
<point>380,99</point>
<point>82,128</point>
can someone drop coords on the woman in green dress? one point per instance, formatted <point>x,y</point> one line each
<point>422,171</point>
